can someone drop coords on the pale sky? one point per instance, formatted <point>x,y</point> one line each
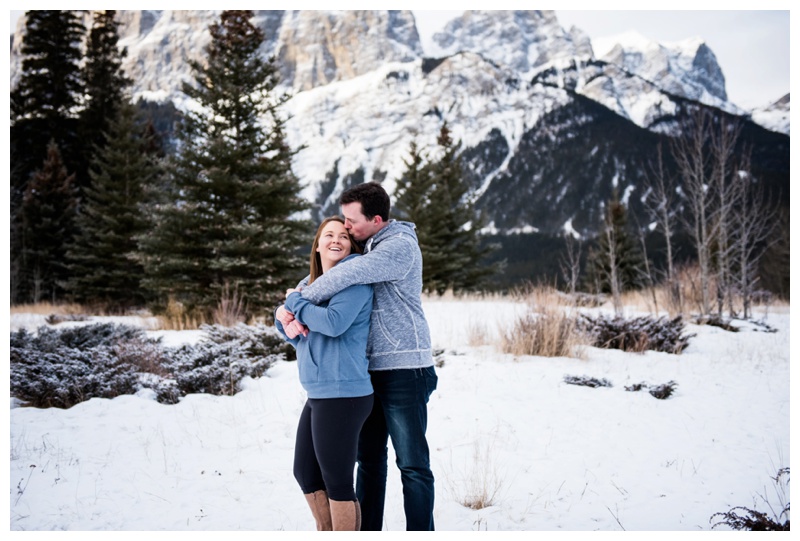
<point>752,47</point>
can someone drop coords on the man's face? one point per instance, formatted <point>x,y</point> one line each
<point>359,225</point>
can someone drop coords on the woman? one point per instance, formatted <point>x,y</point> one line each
<point>331,343</point>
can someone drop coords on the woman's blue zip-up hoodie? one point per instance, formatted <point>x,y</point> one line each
<point>332,359</point>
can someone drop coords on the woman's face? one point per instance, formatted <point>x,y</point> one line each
<point>334,243</point>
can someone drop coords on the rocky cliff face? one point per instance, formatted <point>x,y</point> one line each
<point>315,48</point>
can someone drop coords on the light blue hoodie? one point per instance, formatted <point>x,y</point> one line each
<point>399,336</point>
<point>332,359</point>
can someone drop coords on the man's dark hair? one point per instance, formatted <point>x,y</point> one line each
<point>373,198</point>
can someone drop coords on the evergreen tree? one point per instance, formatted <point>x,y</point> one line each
<point>435,197</point>
<point>232,191</point>
<point>43,108</point>
<point>412,193</point>
<point>111,218</point>
<point>105,86</point>
<point>616,244</point>
<point>48,214</point>
<point>458,231</point>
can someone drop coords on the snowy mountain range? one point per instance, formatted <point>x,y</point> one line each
<point>510,85</point>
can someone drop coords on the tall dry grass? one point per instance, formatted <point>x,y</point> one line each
<point>548,329</point>
<point>478,334</point>
<point>48,308</point>
<point>479,484</point>
<point>231,308</point>
<point>177,318</point>
<point>685,298</point>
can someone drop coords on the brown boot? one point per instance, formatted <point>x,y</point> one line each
<point>320,508</point>
<point>346,516</point>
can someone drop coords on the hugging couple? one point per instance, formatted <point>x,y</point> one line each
<point>364,356</point>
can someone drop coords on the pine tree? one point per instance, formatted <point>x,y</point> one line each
<point>44,103</point>
<point>232,192</point>
<point>435,197</point>
<point>48,214</point>
<point>111,217</point>
<point>412,193</point>
<point>43,108</point>
<point>105,86</point>
<point>617,253</point>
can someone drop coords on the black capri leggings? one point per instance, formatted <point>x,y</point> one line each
<point>327,444</point>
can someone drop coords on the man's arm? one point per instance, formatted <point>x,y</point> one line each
<point>337,316</point>
<point>391,260</point>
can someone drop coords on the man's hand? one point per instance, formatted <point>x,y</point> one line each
<point>295,329</point>
<point>284,316</point>
<point>292,290</point>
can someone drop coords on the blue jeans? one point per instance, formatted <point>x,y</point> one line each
<point>399,411</point>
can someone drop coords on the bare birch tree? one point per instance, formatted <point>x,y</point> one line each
<point>571,262</point>
<point>693,159</point>
<point>613,262</point>
<point>649,280</point>
<point>724,168</point>
<point>755,223</point>
<point>660,203</point>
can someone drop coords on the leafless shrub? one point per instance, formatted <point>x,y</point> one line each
<point>147,356</point>
<point>743,518</point>
<point>586,381</point>
<point>636,334</point>
<point>663,391</point>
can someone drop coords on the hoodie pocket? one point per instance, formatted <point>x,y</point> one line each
<point>308,368</point>
<point>389,336</point>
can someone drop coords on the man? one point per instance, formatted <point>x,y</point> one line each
<point>399,351</point>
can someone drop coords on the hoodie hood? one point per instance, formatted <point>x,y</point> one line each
<point>394,227</point>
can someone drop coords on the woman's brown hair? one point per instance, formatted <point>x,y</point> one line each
<point>314,261</point>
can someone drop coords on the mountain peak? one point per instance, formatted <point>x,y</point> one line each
<point>521,40</point>
<point>686,68</point>
<point>630,40</point>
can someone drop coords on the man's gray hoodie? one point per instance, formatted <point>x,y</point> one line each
<point>399,336</point>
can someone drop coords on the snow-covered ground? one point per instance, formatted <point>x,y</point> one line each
<point>554,456</point>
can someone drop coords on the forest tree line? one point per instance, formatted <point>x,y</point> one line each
<point>107,214</point>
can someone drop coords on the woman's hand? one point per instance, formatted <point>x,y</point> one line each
<point>283,315</point>
<point>295,329</point>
